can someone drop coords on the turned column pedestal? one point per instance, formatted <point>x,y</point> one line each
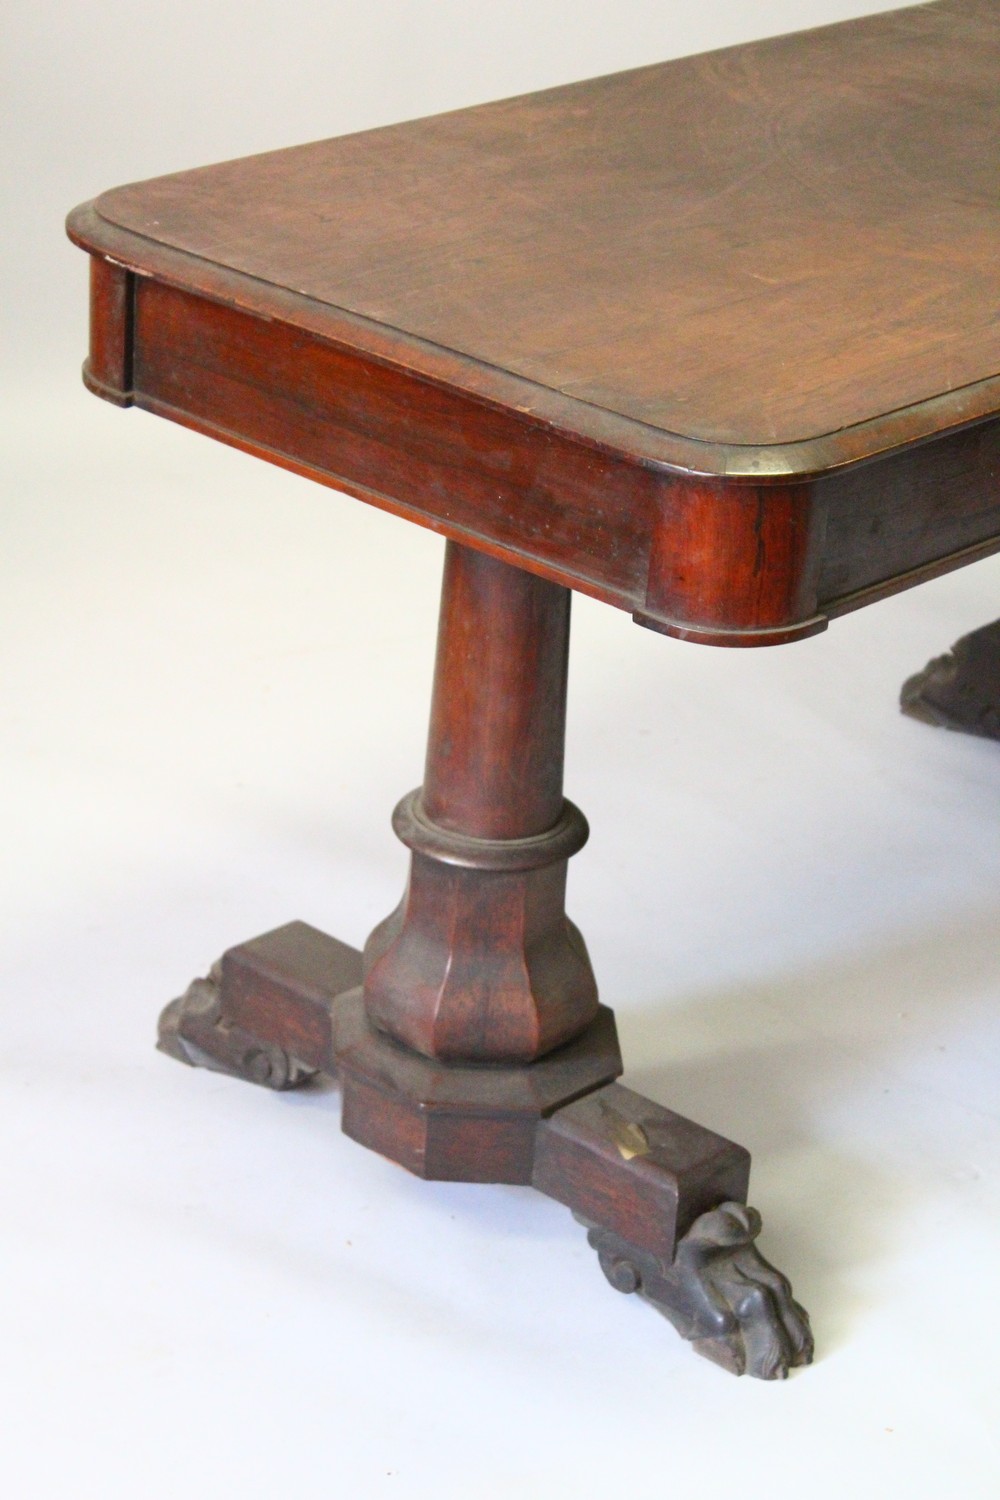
<point>479,963</point>
<point>468,1037</point>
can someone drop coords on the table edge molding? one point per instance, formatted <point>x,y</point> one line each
<point>585,421</point>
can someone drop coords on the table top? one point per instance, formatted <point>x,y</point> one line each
<point>759,246</point>
<point>767,262</point>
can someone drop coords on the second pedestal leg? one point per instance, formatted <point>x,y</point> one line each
<point>960,690</point>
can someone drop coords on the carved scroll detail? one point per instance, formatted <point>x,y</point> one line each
<point>194,1030</point>
<point>720,1293</point>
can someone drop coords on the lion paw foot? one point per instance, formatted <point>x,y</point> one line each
<point>719,1293</point>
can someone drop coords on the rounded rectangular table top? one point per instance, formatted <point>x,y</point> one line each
<point>715,340</point>
<point>753,248</point>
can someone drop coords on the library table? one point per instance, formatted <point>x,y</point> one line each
<point>713,341</point>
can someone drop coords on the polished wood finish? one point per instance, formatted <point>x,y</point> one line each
<point>498,711</point>
<point>576,333</point>
<point>756,247</point>
<point>619,1160</point>
<point>281,988</point>
<point>713,341</point>
<point>699,569</point>
<point>479,962</point>
<point>108,370</point>
<point>662,1197</point>
<point>460,1123</point>
<point>265,1011</point>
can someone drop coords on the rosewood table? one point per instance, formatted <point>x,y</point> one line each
<point>713,341</point>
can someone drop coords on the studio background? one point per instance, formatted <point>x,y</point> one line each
<point>215,686</point>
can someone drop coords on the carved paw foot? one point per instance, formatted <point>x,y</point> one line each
<point>720,1293</point>
<point>960,690</point>
<point>194,1030</point>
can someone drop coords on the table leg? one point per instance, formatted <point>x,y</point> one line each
<point>960,690</point>
<point>664,1200</point>
<point>468,1037</point>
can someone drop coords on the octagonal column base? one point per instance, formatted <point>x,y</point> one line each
<point>445,1121</point>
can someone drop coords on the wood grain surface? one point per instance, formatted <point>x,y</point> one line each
<point>715,341</point>
<point>757,246</point>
